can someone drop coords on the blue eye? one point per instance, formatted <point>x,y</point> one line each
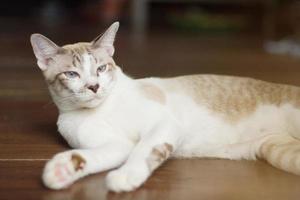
<point>71,74</point>
<point>101,68</point>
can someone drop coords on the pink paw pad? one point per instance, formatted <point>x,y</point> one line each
<point>61,171</point>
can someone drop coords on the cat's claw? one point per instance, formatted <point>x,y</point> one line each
<point>125,180</point>
<point>61,171</point>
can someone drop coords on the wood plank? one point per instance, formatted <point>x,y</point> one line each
<point>176,180</point>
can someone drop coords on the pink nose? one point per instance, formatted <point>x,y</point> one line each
<point>94,88</point>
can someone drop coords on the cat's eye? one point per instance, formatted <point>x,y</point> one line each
<point>71,74</point>
<point>101,68</point>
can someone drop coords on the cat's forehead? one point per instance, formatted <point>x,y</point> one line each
<point>78,54</point>
<point>79,48</point>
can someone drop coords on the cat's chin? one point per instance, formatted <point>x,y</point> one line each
<point>90,104</point>
<point>93,103</point>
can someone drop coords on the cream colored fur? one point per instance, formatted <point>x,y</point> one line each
<point>134,125</point>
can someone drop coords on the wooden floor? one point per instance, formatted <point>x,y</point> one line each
<point>28,135</point>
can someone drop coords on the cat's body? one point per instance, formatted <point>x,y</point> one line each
<point>143,122</point>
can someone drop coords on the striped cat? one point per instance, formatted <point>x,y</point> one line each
<point>134,125</point>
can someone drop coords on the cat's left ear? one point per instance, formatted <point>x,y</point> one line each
<point>106,40</point>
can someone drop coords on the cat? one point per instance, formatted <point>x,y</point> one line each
<point>134,125</point>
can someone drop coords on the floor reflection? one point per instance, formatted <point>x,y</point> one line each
<point>91,187</point>
<point>193,179</point>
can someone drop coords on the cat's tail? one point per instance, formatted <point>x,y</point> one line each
<point>281,151</point>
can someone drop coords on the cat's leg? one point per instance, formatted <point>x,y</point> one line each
<point>66,167</point>
<point>281,151</point>
<point>237,151</point>
<point>152,150</point>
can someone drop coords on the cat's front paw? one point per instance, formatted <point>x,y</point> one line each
<point>63,170</point>
<point>126,180</point>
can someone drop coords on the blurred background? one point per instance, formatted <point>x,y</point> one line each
<point>257,38</point>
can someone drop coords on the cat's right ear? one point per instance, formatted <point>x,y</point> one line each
<point>44,49</point>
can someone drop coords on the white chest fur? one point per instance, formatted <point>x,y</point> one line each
<point>128,119</point>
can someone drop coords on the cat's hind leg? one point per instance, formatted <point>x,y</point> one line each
<point>66,167</point>
<point>281,151</point>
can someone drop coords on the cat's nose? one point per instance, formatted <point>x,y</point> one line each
<point>94,88</point>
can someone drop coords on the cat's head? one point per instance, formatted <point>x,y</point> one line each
<point>79,75</point>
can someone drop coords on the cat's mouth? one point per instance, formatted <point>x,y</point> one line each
<point>92,102</point>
